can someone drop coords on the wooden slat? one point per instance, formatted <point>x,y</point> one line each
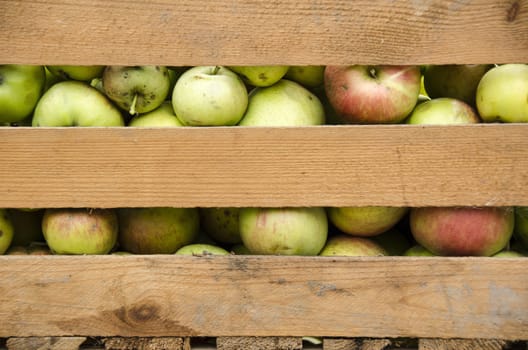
<point>461,344</point>
<point>398,165</point>
<point>199,32</point>
<point>45,343</point>
<point>264,296</point>
<point>259,343</point>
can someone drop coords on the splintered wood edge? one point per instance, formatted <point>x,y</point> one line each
<point>226,32</point>
<point>150,296</point>
<point>393,165</point>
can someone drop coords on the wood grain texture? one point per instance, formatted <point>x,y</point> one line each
<point>144,343</point>
<point>264,296</point>
<point>259,343</point>
<point>461,344</point>
<point>227,32</point>
<point>399,165</point>
<point>45,343</point>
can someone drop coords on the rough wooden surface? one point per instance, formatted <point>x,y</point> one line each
<point>355,344</point>
<point>143,343</point>
<point>399,165</point>
<point>45,343</point>
<point>461,344</point>
<point>264,296</point>
<point>259,343</point>
<point>197,32</point>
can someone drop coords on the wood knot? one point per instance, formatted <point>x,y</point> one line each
<point>513,11</point>
<point>144,312</point>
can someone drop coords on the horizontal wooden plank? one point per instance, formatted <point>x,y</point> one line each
<point>397,165</point>
<point>228,32</point>
<point>264,296</point>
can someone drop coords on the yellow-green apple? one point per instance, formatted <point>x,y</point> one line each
<point>508,254</point>
<point>21,86</point>
<point>363,94</point>
<point>136,89</point>
<point>75,103</point>
<point>157,230</point>
<point>6,230</point>
<point>163,116</point>
<point>394,241</point>
<point>502,94</point>
<point>307,76</point>
<point>417,250</point>
<point>221,224</point>
<point>345,245</point>
<point>283,231</point>
<point>209,96</point>
<point>365,221</point>
<point>285,103</point>
<point>82,73</point>
<point>201,249</point>
<point>80,231</point>
<point>521,225</point>
<point>443,110</point>
<point>260,75</point>
<point>458,81</point>
<point>51,79</point>
<point>462,231</point>
<point>27,225</point>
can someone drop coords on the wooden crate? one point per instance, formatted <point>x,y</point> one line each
<point>400,165</point>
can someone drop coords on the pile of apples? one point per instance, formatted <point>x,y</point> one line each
<point>160,96</point>
<point>252,96</point>
<point>310,231</point>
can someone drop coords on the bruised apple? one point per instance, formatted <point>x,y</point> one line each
<point>80,231</point>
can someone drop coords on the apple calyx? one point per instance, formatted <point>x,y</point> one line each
<point>373,73</point>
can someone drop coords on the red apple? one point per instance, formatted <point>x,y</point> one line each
<point>462,231</point>
<point>372,94</point>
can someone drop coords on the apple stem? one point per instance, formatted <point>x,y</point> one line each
<point>372,72</point>
<point>132,110</point>
<point>215,70</point>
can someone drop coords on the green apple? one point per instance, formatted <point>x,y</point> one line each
<point>520,231</point>
<point>508,254</point>
<point>365,221</point>
<point>163,116</point>
<point>457,81</point>
<point>283,231</point>
<point>286,103</point>
<point>6,231</point>
<point>21,86</point>
<point>51,79</point>
<point>209,96</point>
<point>260,75</point>
<point>27,225</point>
<point>157,230</point>
<point>221,224</point>
<point>80,231</point>
<point>74,103</point>
<point>345,245</point>
<point>443,110</point>
<point>502,94</point>
<point>137,89</point>
<point>82,73</point>
<point>307,76</point>
<point>28,250</point>
<point>201,249</point>
<point>417,250</point>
